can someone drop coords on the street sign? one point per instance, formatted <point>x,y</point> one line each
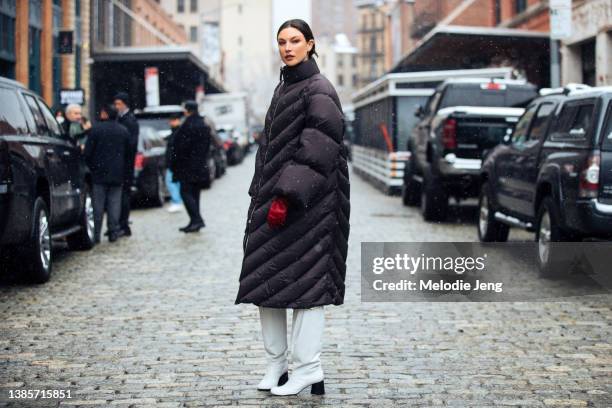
<point>68,96</point>
<point>65,42</point>
<point>152,86</point>
<point>560,19</point>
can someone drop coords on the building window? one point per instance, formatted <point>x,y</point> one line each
<point>193,6</point>
<point>354,61</point>
<point>520,6</point>
<point>240,9</point>
<point>239,40</point>
<point>587,57</point>
<point>340,80</point>
<point>355,80</point>
<point>193,34</point>
<point>497,11</point>
<point>180,6</point>
<point>34,39</point>
<point>340,61</point>
<point>7,42</point>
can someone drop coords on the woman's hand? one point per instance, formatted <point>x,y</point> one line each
<point>278,212</point>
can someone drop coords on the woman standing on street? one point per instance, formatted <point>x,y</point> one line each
<point>296,237</point>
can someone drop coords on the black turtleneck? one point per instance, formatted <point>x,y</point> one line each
<point>296,73</point>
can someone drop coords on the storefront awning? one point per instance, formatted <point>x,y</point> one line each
<point>123,69</point>
<point>461,47</point>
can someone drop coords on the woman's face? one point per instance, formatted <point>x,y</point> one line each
<point>292,46</point>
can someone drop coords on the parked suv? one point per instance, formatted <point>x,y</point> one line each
<point>554,177</point>
<point>44,184</point>
<point>461,121</point>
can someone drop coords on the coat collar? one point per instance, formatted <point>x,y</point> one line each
<point>303,70</point>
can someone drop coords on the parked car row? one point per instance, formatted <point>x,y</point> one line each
<point>547,170</point>
<point>149,187</point>
<point>45,185</point>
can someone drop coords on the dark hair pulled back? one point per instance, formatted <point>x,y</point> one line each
<point>302,27</point>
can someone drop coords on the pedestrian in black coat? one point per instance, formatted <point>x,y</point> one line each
<point>128,120</point>
<point>191,148</point>
<point>296,237</point>
<point>106,152</point>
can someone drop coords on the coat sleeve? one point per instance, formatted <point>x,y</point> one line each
<point>315,158</point>
<point>90,146</point>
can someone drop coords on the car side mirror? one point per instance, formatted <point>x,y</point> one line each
<point>418,112</point>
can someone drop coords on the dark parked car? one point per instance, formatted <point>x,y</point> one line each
<point>461,121</point>
<point>44,184</point>
<point>149,168</point>
<point>218,154</point>
<point>157,117</point>
<point>554,177</point>
<point>233,150</point>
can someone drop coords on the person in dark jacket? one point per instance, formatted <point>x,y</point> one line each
<point>296,236</point>
<point>174,188</point>
<point>191,147</point>
<point>106,151</point>
<point>128,120</point>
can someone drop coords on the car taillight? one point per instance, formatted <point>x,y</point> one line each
<point>589,176</point>
<point>139,161</point>
<point>449,134</point>
<point>227,145</point>
<point>492,86</point>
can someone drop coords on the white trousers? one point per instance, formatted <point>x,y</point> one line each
<point>306,338</point>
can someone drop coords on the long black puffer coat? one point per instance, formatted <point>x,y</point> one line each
<point>303,263</point>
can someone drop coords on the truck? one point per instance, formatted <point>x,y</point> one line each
<point>229,110</point>
<point>461,122</point>
<point>553,176</point>
<point>384,119</point>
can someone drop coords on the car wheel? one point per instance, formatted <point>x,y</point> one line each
<point>84,238</point>
<point>411,190</point>
<point>38,250</point>
<point>552,259</point>
<point>489,229</point>
<point>158,197</point>
<point>434,201</point>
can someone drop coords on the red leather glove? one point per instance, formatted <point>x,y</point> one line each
<point>278,212</point>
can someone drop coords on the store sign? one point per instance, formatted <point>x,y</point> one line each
<point>68,96</point>
<point>560,19</point>
<point>66,42</point>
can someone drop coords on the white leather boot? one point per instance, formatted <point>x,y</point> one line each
<point>274,333</point>
<point>306,344</point>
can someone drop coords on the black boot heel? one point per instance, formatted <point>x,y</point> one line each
<point>318,388</point>
<point>283,379</point>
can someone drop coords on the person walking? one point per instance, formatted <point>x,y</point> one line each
<point>191,146</point>
<point>126,118</point>
<point>174,188</point>
<point>106,151</point>
<point>296,236</point>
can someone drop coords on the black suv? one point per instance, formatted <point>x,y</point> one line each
<point>44,189</point>
<point>554,176</point>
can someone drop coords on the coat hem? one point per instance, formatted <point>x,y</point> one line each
<point>292,305</point>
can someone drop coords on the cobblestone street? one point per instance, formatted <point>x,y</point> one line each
<point>151,321</point>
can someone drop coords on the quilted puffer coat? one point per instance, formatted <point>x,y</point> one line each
<point>301,264</point>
